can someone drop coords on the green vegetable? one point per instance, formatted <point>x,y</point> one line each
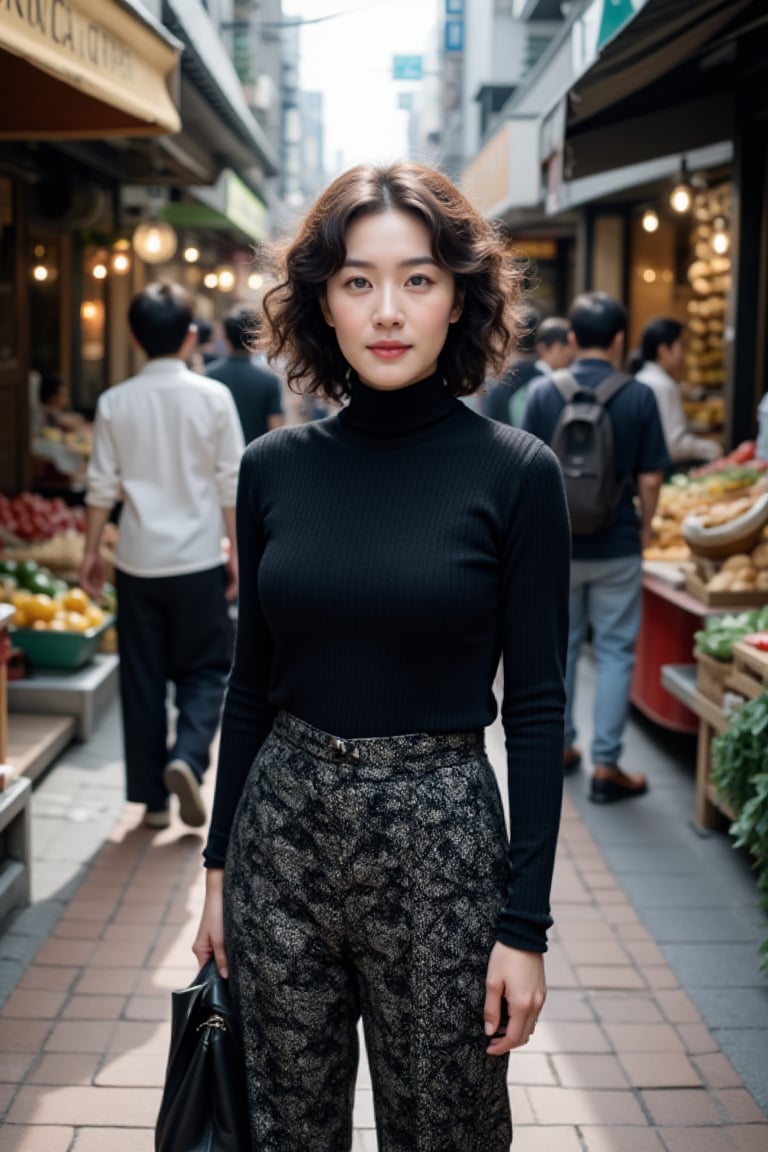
<point>720,633</point>
<point>740,777</point>
<point>8,567</point>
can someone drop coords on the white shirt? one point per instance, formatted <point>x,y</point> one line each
<point>168,443</point>
<point>681,444</point>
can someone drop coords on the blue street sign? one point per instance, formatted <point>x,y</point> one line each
<point>454,7</point>
<point>406,67</point>
<point>454,35</point>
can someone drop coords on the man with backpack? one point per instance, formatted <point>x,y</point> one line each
<point>604,427</point>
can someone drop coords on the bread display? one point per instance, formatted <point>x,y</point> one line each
<point>709,276</point>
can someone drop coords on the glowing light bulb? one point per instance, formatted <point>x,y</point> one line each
<point>650,220</point>
<point>681,198</point>
<point>720,243</point>
<point>191,254</point>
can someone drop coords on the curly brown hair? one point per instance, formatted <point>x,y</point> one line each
<point>463,242</point>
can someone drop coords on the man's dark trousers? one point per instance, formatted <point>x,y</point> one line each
<point>177,629</point>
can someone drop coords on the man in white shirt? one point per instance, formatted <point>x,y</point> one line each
<point>167,443</point>
<point>662,354</point>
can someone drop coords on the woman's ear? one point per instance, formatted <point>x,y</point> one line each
<point>326,311</point>
<point>458,306</point>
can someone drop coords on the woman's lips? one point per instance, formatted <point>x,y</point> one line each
<point>388,351</point>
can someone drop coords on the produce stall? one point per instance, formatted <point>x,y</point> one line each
<point>709,555</point>
<point>63,641</point>
<point>14,802</point>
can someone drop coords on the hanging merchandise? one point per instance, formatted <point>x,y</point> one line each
<point>709,276</point>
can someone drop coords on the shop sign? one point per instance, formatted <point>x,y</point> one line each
<point>244,209</point>
<point>98,47</point>
<point>407,68</point>
<point>454,35</point>
<point>598,24</point>
<point>63,25</point>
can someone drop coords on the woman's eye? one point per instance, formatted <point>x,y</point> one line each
<point>357,282</point>
<point>419,280</point>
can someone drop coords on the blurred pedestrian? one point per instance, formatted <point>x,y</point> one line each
<point>389,556</point>
<point>553,352</point>
<point>204,351</point>
<point>255,390</point>
<point>167,443</point>
<point>498,401</point>
<point>660,358</point>
<point>606,570</point>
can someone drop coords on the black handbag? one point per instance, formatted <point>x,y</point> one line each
<point>204,1106</point>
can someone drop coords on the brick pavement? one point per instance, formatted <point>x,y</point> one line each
<point>620,1062</point>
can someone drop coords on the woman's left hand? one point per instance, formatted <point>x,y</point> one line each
<point>514,978</point>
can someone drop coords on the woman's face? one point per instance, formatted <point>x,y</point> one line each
<point>390,303</point>
<point>672,356</point>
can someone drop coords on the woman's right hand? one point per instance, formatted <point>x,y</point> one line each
<point>210,935</point>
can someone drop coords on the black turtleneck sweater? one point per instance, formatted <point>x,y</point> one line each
<point>389,556</point>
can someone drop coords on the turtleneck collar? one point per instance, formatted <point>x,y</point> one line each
<point>396,412</point>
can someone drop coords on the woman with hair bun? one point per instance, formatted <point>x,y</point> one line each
<point>358,862</point>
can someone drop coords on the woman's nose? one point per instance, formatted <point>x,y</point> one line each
<point>387,308</point>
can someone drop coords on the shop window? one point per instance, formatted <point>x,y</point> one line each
<point>92,376</point>
<point>45,305</point>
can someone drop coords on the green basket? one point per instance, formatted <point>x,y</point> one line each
<point>64,650</point>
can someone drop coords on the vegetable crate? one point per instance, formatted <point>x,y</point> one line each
<point>711,676</point>
<point>750,671</point>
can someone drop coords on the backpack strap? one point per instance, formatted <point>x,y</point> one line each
<point>612,384</point>
<point>565,382</point>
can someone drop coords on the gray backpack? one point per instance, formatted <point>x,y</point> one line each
<point>583,443</point>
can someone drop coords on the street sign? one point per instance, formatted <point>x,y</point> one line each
<point>407,68</point>
<point>405,101</point>
<point>454,7</point>
<point>454,35</point>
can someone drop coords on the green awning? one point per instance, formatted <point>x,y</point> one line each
<point>228,204</point>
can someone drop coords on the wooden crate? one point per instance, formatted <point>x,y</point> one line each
<point>711,676</point>
<point>754,598</point>
<point>750,671</point>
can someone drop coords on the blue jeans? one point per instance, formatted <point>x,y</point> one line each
<point>607,595</point>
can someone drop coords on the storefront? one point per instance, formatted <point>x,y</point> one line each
<point>72,70</point>
<point>679,97</point>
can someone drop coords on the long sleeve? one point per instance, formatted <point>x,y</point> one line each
<point>247,716</point>
<point>104,483</point>
<point>535,637</point>
<point>681,444</point>
<point>230,450</point>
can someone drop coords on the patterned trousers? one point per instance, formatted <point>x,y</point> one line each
<point>364,878</point>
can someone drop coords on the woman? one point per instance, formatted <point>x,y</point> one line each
<point>389,555</point>
<point>661,355</point>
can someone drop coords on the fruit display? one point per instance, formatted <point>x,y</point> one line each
<point>63,553</point>
<point>32,517</point>
<point>45,603</point>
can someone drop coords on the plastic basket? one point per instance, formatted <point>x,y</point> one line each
<point>64,650</point>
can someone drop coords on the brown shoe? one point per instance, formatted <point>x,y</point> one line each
<point>571,760</point>
<point>610,783</point>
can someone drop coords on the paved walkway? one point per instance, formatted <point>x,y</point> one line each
<point>622,1060</point>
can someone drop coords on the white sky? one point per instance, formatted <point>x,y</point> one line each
<point>349,59</point>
